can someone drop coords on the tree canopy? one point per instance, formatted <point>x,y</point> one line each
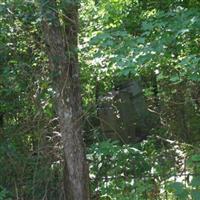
<point>64,63</point>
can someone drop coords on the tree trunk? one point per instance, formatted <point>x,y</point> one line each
<point>60,33</point>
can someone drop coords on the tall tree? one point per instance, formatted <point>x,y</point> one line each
<point>60,28</point>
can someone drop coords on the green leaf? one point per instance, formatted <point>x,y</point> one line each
<point>195,181</point>
<point>179,190</point>
<point>195,158</point>
<point>175,78</point>
<point>195,195</point>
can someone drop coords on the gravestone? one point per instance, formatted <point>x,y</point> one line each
<point>124,115</point>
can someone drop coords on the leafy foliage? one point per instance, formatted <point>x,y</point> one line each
<point>159,45</point>
<point>26,132</point>
<point>155,41</point>
<point>153,169</point>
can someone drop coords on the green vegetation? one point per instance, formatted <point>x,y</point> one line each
<point>156,42</point>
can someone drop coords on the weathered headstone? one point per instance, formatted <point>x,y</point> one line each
<point>123,113</point>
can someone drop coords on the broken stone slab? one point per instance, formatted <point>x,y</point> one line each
<point>124,115</point>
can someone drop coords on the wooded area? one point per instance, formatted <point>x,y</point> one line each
<point>100,100</point>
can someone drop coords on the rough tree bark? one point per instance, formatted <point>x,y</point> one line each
<point>60,32</point>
